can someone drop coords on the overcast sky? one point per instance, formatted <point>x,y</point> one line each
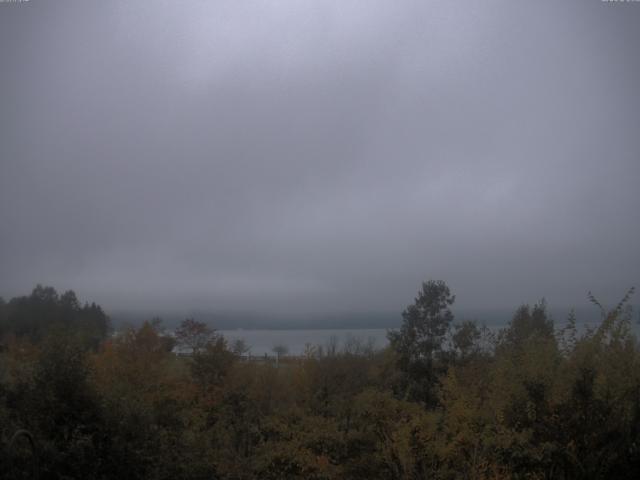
<point>322,156</point>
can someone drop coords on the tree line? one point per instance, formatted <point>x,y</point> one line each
<point>444,400</point>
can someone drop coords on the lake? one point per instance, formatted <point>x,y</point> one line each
<point>263,341</point>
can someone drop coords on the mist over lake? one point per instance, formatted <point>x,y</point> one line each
<point>263,341</point>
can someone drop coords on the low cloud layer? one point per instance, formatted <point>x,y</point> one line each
<point>319,156</point>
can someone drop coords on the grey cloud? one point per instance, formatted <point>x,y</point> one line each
<point>319,156</point>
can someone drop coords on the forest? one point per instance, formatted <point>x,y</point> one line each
<point>446,399</point>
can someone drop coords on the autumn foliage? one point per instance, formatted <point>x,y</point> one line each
<point>445,400</point>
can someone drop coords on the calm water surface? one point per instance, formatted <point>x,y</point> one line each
<point>263,341</point>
